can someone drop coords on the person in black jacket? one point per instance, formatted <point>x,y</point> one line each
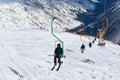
<point>90,44</point>
<point>58,54</point>
<point>82,48</point>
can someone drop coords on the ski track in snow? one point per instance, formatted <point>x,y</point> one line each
<point>12,55</point>
<point>25,56</point>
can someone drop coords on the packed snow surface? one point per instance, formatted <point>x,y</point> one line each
<point>24,55</point>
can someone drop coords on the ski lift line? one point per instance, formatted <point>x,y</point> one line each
<point>106,27</point>
<point>104,6</point>
<point>52,32</point>
<point>102,33</point>
<point>106,24</point>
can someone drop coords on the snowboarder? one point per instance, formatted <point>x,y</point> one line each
<point>58,54</point>
<point>90,44</point>
<point>82,48</point>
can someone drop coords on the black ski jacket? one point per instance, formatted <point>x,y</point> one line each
<point>58,52</point>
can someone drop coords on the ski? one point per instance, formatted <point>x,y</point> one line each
<point>59,66</point>
<point>53,68</point>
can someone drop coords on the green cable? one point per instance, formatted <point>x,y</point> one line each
<point>52,32</point>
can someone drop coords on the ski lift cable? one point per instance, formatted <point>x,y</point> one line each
<point>104,5</point>
<point>106,20</point>
<point>102,32</point>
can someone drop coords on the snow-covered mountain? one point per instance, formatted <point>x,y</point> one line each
<point>24,55</point>
<point>114,22</point>
<point>72,14</point>
<point>38,13</point>
<point>25,51</point>
<point>112,13</point>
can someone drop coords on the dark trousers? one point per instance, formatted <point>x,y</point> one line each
<point>55,60</point>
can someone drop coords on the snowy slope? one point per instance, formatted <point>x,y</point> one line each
<point>24,56</point>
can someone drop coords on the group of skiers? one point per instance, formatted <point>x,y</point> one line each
<point>90,45</point>
<point>58,53</point>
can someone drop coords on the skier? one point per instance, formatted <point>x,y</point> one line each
<point>82,48</point>
<point>94,40</point>
<point>90,44</point>
<point>58,54</point>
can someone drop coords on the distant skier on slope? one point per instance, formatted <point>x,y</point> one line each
<point>94,40</point>
<point>58,54</point>
<point>90,44</point>
<point>82,48</point>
